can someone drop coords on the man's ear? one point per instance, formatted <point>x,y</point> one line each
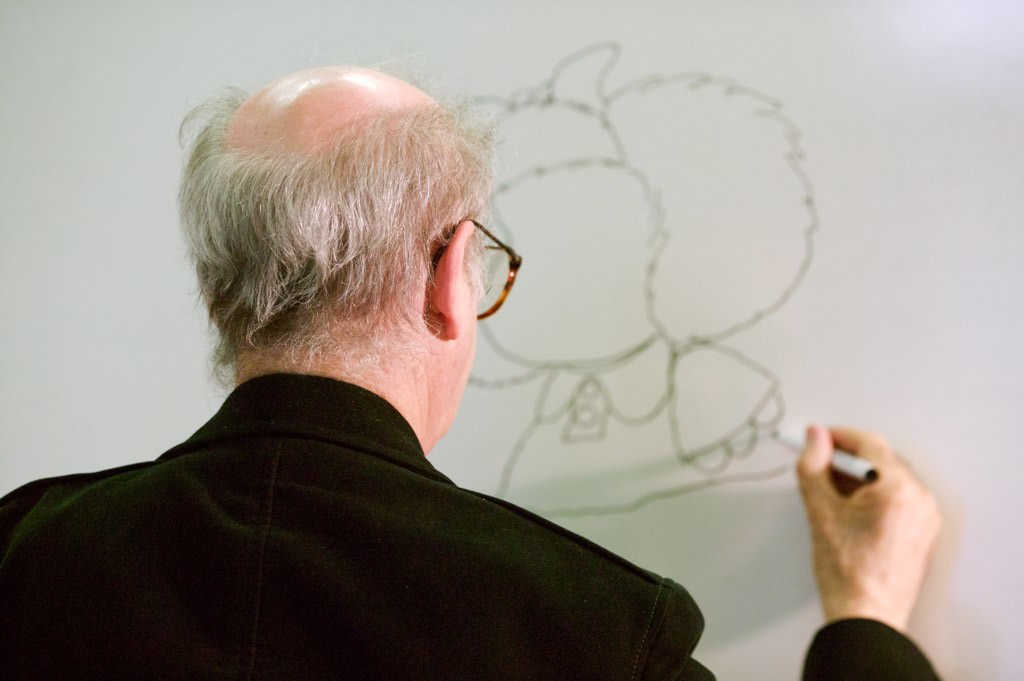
<point>451,310</point>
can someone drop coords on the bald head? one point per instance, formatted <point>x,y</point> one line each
<point>318,239</point>
<point>302,112</point>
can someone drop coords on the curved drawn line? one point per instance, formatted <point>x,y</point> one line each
<point>742,439</point>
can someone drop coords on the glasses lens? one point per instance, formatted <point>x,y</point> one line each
<point>496,261</point>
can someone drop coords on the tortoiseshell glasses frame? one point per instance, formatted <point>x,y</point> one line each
<point>514,261</point>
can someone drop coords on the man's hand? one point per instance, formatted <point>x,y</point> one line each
<point>871,542</point>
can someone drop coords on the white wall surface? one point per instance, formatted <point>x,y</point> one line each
<point>812,213</point>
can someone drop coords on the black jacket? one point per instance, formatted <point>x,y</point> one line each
<point>302,534</point>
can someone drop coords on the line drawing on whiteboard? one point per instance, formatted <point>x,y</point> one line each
<point>660,217</point>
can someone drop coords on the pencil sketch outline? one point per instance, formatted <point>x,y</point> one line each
<point>591,408</point>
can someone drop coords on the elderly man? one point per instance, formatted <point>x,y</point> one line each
<point>301,533</point>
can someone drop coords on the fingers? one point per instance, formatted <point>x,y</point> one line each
<point>893,472</point>
<point>815,468</point>
<point>822,442</point>
<point>871,542</point>
<point>817,452</point>
<point>814,471</point>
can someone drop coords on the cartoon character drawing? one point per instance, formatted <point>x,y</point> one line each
<point>661,219</point>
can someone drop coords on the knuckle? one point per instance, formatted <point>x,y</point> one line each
<point>877,442</point>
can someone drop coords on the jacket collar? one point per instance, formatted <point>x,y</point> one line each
<point>314,407</point>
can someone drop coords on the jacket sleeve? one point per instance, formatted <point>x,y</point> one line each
<point>865,650</point>
<point>678,628</point>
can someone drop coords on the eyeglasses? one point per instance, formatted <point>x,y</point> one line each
<point>501,262</point>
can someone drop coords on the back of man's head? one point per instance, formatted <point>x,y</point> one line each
<point>313,208</point>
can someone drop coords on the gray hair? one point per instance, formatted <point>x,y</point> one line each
<point>313,254</point>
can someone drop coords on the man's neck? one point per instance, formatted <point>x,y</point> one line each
<point>403,384</point>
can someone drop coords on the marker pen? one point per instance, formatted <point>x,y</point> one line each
<point>842,462</point>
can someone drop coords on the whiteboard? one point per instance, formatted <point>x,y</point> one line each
<point>735,217</point>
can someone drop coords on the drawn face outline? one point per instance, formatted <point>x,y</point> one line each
<point>587,101</point>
